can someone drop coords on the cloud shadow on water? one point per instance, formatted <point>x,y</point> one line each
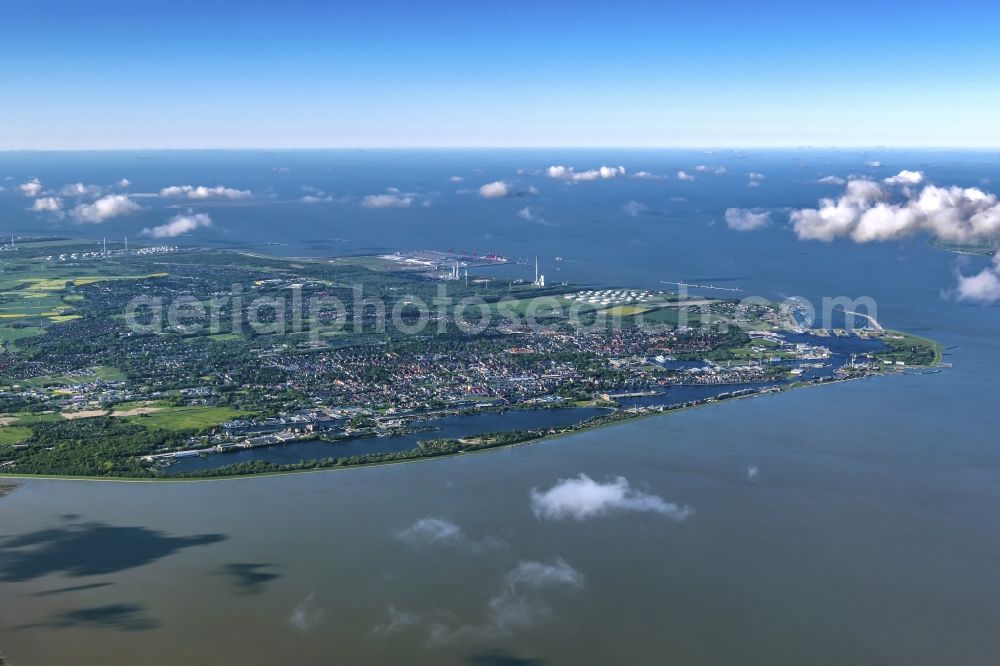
<point>123,617</point>
<point>71,588</point>
<point>88,549</point>
<point>500,658</point>
<point>250,578</point>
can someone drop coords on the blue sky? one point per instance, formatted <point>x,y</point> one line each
<point>409,74</point>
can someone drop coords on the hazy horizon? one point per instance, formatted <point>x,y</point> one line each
<point>582,147</point>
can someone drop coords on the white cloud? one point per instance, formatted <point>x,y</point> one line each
<point>179,225</point>
<point>316,195</point>
<point>202,192</point>
<point>866,212</point>
<point>831,180</point>
<point>568,173</point>
<point>495,190</point>
<point>983,287</point>
<point>646,175</point>
<point>456,179</point>
<point>683,175</point>
<point>516,606</point>
<point>635,208</point>
<point>392,198</point>
<point>582,497</point>
<point>755,179</point>
<point>105,208</point>
<point>79,190</point>
<point>47,205</point>
<point>744,219</point>
<point>317,198</point>
<point>397,621</point>
<point>905,177</point>
<point>836,217</point>
<point>433,531</point>
<point>704,168</point>
<point>541,574</point>
<point>430,531</point>
<point>32,188</point>
<point>752,471</point>
<point>513,609</point>
<point>531,214</point>
<point>606,172</point>
<point>874,164</point>
<point>124,182</point>
<point>306,613</point>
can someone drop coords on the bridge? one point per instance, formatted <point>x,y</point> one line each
<point>874,322</point>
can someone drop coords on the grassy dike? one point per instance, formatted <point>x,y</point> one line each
<point>913,350</point>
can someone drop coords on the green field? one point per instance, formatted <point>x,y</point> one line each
<point>223,337</point>
<point>30,418</point>
<point>542,307</point>
<point>13,434</point>
<point>15,333</point>
<point>626,310</point>
<point>910,349</point>
<point>35,292</point>
<point>105,372</point>
<point>19,424</point>
<point>671,316</point>
<point>137,404</point>
<point>185,418</point>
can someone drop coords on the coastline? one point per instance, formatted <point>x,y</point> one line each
<point>900,350</point>
<point>428,458</point>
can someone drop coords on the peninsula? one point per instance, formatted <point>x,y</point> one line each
<point>169,362</point>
